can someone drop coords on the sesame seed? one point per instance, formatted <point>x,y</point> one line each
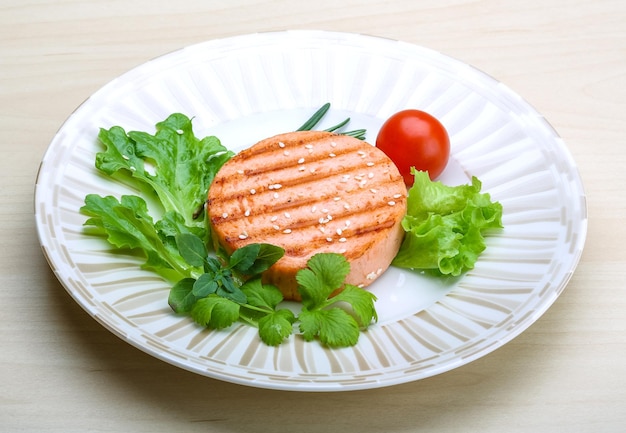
<point>333,144</point>
<point>313,209</point>
<point>286,153</point>
<point>301,168</point>
<point>224,215</point>
<point>180,131</point>
<point>370,175</point>
<point>281,144</point>
<point>370,164</point>
<point>308,146</point>
<point>253,191</point>
<point>324,210</point>
<point>332,155</point>
<point>397,195</point>
<point>244,235</point>
<point>125,157</point>
<point>287,231</point>
<point>342,251</point>
<point>275,195</point>
<point>301,161</point>
<point>342,240</point>
<point>329,239</point>
<point>348,223</point>
<point>374,191</point>
<point>276,227</point>
<point>312,170</point>
<point>371,276</point>
<point>247,212</point>
<point>287,215</point>
<point>339,232</point>
<point>391,203</point>
<point>337,198</point>
<point>329,217</point>
<point>346,206</point>
<point>323,229</point>
<point>274,218</point>
<point>275,186</point>
<point>239,171</point>
<point>132,168</point>
<point>362,153</point>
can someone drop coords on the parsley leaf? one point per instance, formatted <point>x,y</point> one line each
<point>215,312</point>
<point>324,274</point>
<point>336,320</point>
<point>276,326</point>
<point>334,327</point>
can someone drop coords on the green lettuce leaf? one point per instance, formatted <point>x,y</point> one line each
<point>175,168</point>
<point>126,223</point>
<point>445,226</point>
<point>172,163</point>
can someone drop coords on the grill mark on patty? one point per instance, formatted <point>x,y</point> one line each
<point>290,176</point>
<point>316,240</point>
<point>293,196</point>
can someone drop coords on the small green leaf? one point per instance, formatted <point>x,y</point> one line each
<point>326,273</point>
<point>242,258</point>
<point>253,259</point>
<point>310,324</point>
<point>262,295</point>
<point>215,312</point>
<point>181,297</point>
<point>212,265</point>
<point>191,248</point>
<point>361,301</point>
<point>228,289</point>
<point>275,327</point>
<point>334,327</point>
<point>204,285</point>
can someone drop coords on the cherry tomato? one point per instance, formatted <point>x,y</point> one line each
<point>413,138</point>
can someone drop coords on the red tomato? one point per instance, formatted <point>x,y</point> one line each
<point>413,138</point>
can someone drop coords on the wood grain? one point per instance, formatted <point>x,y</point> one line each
<point>61,371</point>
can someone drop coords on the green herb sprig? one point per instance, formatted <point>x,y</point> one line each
<point>319,115</point>
<point>230,289</point>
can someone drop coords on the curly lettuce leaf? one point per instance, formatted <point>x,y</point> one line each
<point>126,223</point>
<point>173,163</point>
<point>445,226</point>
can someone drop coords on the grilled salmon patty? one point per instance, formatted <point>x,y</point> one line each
<point>311,192</point>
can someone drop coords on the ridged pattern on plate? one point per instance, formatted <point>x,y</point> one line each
<point>495,135</point>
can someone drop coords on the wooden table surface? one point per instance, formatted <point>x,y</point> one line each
<point>62,371</point>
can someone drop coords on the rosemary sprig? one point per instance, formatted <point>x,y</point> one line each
<point>315,118</point>
<point>319,114</point>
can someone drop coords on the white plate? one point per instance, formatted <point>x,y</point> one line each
<point>245,88</point>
